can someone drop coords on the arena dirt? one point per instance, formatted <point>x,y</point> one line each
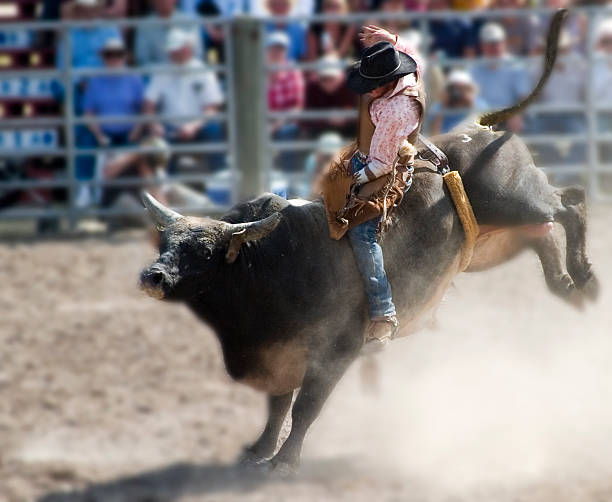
<point>109,396</point>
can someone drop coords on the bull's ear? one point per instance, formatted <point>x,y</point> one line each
<point>248,232</point>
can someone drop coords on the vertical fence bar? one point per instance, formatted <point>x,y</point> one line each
<point>69,127</point>
<point>592,126</point>
<point>231,111</point>
<point>268,154</point>
<point>250,109</point>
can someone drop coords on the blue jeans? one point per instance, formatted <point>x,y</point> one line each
<point>369,257</point>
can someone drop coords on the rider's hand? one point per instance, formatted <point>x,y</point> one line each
<point>371,34</point>
<point>360,177</point>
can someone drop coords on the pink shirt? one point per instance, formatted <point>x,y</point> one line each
<point>395,115</point>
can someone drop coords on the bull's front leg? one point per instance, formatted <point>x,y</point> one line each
<point>322,374</point>
<point>265,445</point>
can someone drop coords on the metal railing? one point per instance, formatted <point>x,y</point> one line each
<point>71,150</point>
<point>592,137</point>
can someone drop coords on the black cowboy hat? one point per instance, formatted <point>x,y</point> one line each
<point>379,65</point>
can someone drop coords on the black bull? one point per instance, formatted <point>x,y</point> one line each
<point>288,304</point>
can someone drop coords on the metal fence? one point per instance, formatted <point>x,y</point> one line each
<point>70,150</point>
<point>249,148</point>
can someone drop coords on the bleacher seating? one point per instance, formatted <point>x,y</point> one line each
<point>25,97</point>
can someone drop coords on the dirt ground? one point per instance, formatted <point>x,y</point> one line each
<point>110,396</point>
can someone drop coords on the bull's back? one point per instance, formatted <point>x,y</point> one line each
<point>504,185</point>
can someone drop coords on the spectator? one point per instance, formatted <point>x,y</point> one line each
<point>566,85</point>
<point>359,5</point>
<point>522,32</point>
<point>328,146</point>
<point>136,164</point>
<point>450,37</point>
<point>576,25</point>
<point>296,32</point>
<point>285,94</point>
<point>602,69</point>
<point>150,40</point>
<point>327,91</point>
<point>393,7</point>
<point>297,7</point>
<point>459,98</point>
<point>214,34</point>
<point>333,36</point>
<point>86,42</point>
<point>602,82</point>
<point>187,94</point>
<point>107,8</point>
<point>470,4</point>
<point>116,9</point>
<point>502,81</point>
<point>113,95</point>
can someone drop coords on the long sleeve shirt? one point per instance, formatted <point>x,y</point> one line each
<point>395,115</point>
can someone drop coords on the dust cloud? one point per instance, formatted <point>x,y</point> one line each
<point>512,390</point>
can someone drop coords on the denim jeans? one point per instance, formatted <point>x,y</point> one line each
<point>369,257</point>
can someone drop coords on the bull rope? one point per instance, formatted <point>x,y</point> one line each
<point>453,181</point>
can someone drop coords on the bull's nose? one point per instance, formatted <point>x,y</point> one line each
<point>151,281</point>
<point>155,277</point>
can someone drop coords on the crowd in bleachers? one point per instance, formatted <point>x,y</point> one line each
<point>459,80</point>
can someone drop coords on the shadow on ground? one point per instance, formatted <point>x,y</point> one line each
<point>180,480</point>
<point>166,484</point>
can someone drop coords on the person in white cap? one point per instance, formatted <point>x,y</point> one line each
<point>296,32</point>
<point>187,94</point>
<point>502,80</point>
<point>150,46</point>
<point>459,98</point>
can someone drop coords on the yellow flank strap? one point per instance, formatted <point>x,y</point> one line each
<point>466,215</point>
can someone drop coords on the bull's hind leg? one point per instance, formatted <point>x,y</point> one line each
<point>557,278</point>
<point>265,446</point>
<point>573,218</point>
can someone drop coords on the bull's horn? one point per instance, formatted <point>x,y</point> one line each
<point>247,232</point>
<point>161,215</point>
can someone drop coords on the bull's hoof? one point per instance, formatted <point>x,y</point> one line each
<point>591,288</point>
<point>250,460</point>
<point>282,470</point>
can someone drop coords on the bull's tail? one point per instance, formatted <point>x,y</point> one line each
<point>552,39</point>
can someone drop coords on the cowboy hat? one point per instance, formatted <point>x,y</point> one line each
<point>379,65</point>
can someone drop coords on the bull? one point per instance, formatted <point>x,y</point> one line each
<point>287,303</point>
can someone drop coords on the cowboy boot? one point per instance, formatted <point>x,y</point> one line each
<point>378,334</point>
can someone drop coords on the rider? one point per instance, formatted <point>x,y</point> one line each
<point>388,80</point>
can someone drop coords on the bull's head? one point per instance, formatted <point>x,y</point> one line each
<point>194,248</point>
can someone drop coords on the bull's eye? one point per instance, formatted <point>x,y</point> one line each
<point>207,252</point>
